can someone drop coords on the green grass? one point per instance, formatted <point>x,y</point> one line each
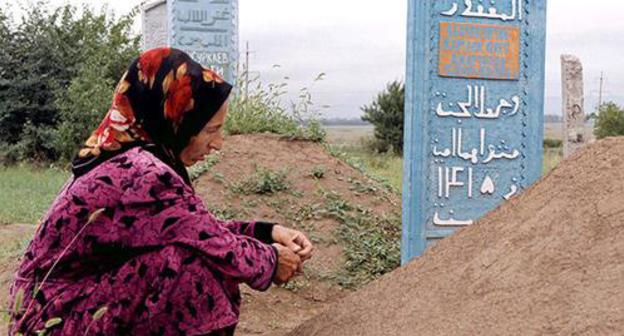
<point>388,167</point>
<point>552,157</point>
<point>27,192</point>
<point>262,182</point>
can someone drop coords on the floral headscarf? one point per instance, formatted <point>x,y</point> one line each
<point>163,100</point>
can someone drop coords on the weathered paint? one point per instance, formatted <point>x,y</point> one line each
<point>474,112</point>
<point>479,51</point>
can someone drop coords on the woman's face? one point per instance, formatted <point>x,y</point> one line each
<point>209,139</point>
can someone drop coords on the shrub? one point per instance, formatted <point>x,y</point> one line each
<point>386,114</point>
<point>609,121</point>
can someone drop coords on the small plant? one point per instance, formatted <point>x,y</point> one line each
<point>202,167</point>
<point>360,187</point>
<point>297,284</point>
<point>318,172</point>
<point>262,182</point>
<point>552,143</point>
<point>224,213</point>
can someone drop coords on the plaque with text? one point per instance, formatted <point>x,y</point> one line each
<point>479,51</point>
<point>473,112</point>
<point>208,31</point>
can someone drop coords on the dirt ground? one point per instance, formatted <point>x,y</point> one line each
<point>279,310</point>
<point>549,262</point>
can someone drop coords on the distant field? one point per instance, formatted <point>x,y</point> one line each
<point>351,135</point>
<point>348,135</point>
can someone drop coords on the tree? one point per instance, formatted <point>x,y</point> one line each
<point>386,114</point>
<point>609,121</point>
<point>40,58</point>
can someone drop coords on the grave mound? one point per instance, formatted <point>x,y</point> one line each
<point>550,261</point>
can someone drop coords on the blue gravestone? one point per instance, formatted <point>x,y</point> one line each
<point>207,30</point>
<point>473,113</point>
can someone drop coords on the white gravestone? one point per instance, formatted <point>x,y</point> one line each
<point>206,29</point>
<point>573,104</point>
<point>155,29</point>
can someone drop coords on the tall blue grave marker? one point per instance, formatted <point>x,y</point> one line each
<point>206,29</point>
<point>474,112</point>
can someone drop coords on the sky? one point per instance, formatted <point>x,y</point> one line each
<point>361,44</point>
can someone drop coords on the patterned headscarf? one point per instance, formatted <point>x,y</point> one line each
<point>163,100</point>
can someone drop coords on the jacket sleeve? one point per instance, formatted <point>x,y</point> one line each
<point>256,229</point>
<point>164,211</point>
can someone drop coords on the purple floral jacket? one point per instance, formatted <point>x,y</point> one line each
<point>129,249</point>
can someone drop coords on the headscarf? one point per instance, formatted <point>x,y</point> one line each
<point>162,101</point>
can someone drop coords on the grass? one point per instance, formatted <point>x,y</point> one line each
<point>27,192</point>
<point>263,181</point>
<point>202,167</point>
<point>385,168</point>
<point>552,157</point>
<point>371,242</point>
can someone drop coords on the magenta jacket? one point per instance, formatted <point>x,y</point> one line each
<point>152,259</point>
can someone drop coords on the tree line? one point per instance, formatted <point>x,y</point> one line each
<point>57,71</point>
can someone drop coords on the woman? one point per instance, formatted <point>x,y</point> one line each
<point>127,248</point>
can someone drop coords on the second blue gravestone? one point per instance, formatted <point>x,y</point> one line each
<point>473,113</point>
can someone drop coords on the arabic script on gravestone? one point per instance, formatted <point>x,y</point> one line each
<point>470,158</point>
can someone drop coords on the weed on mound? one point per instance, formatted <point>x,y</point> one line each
<point>550,261</point>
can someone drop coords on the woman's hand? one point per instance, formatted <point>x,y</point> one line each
<point>288,264</point>
<point>294,240</point>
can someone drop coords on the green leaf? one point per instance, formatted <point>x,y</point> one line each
<point>100,313</point>
<point>19,301</point>
<point>53,322</point>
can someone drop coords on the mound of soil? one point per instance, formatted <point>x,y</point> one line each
<point>549,262</point>
<point>280,310</point>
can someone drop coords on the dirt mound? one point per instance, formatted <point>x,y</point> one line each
<point>321,194</point>
<point>550,261</point>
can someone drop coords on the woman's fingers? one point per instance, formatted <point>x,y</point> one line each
<point>306,246</point>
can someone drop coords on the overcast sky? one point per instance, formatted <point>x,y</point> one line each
<point>360,45</point>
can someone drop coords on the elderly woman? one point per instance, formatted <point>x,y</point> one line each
<point>128,248</point>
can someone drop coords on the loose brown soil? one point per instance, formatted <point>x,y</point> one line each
<point>549,262</point>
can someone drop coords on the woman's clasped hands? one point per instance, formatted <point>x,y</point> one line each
<point>293,249</point>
